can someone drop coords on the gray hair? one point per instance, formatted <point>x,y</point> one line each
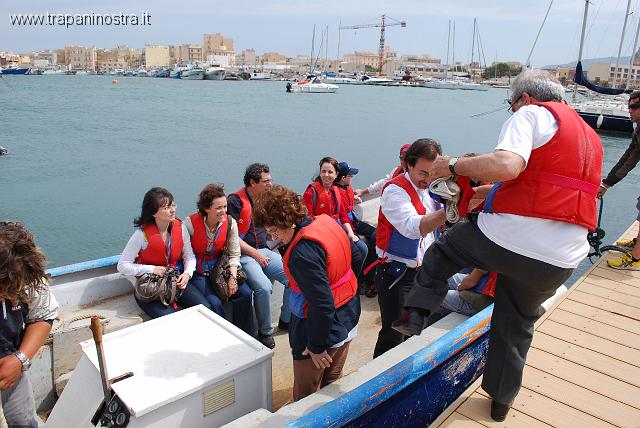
<point>539,84</point>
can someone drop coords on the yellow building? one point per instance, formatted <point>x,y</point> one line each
<point>156,56</point>
<point>272,57</point>
<point>80,57</point>
<point>216,44</point>
<point>369,58</point>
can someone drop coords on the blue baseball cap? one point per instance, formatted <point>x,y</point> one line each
<point>345,169</point>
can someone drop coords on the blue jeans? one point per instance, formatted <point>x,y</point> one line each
<point>452,301</point>
<point>259,280</point>
<point>241,301</point>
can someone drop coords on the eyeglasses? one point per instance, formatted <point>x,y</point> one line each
<point>634,106</point>
<point>512,103</point>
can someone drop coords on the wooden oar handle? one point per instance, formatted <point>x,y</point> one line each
<point>96,329</point>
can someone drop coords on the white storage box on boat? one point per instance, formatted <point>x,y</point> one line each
<point>191,369</point>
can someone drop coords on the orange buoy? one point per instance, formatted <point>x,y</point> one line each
<point>114,82</point>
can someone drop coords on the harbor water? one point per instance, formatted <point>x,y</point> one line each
<point>83,151</point>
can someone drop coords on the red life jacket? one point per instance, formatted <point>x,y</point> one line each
<point>156,252</point>
<point>398,171</point>
<point>349,202</point>
<point>487,284</point>
<point>344,284</point>
<point>388,239</point>
<point>244,219</point>
<point>562,177</point>
<point>321,201</point>
<point>204,248</point>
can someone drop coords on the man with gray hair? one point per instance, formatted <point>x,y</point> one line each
<point>532,230</point>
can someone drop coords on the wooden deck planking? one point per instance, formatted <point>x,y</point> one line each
<point>583,368</point>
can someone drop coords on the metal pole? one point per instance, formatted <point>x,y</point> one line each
<point>528,63</point>
<point>448,41</point>
<point>453,45</point>
<point>624,28</point>
<point>584,27</point>
<point>313,41</point>
<point>338,55</point>
<point>633,55</point>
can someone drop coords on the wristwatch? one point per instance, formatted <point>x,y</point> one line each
<point>452,165</point>
<point>26,363</point>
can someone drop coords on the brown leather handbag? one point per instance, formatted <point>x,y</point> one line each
<point>219,280</point>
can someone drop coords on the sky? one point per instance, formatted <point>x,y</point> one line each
<point>507,28</point>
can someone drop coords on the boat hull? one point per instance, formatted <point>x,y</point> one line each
<point>214,75</point>
<point>603,122</point>
<point>15,71</point>
<point>192,75</point>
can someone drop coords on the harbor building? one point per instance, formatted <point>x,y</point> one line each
<point>604,74</point>
<point>156,56</point>
<point>247,58</point>
<point>80,57</point>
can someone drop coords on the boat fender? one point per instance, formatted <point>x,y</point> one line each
<point>599,121</point>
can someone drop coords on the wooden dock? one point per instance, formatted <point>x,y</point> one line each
<point>583,368</point>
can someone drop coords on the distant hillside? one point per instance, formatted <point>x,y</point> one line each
<point>587,62</point>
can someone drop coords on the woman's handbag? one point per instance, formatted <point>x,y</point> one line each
<point>151,287</point>
<point>219,280</point>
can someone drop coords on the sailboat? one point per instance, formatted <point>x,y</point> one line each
<point>608,111</point>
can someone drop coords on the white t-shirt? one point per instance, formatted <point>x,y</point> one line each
<point>555,242</point>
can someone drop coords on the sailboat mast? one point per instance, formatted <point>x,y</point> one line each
<point>326,51</point>
<point>528,63</point>
<point>453,45</point>
<point>473,46</point>
<point>313,41</point>
<point>338,54</point>
<point>448,41</point>
<point>624,28</point>
<point>584,26</point>
<point>633,55</point>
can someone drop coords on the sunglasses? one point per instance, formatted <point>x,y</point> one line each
<point>634,106</point>
<point>512,103</point>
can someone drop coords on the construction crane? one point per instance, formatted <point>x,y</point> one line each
<point>382,25</point>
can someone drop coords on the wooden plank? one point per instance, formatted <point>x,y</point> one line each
<point>625,276</point>
<point>478,408</point>
<point>585,377</point>
<point>607,305</point>
<point>613,295</point>
<point>600,315</point>
<point>588,358</point>
<point>612,285</point>
<point>457,420</point>
<point>552,412</point>
<point>596,328</point>
<point>580,398</point>
<point>590,341</point>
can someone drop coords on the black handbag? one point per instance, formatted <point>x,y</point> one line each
<point>164,288</point>
<point>219,280</point>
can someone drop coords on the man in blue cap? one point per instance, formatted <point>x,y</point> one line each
<point>368,250</point>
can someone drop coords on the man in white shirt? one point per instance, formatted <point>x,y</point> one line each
<point>407,220</point>
<point>532,231</point>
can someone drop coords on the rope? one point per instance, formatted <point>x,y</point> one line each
<point>81,317</point>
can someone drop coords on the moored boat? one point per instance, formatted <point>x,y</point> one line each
<point>312,85</point>
<point>195,73</point>
<point>214,73</point>
<point>14,70</point>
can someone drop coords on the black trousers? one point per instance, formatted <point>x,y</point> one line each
<point>369,233</point>
<point>523,284</point>
<point>392,291</point>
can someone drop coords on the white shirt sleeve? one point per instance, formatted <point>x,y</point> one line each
<point>530,127</point>
<point>188,258</point>
<point>377,186</point>
<point>127,265</point>
<point>396,206</point>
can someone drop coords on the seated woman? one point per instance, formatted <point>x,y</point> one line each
<point>209,228</point>
<point>323,197</point>
<point>160,242</point>
<point>324,303</point>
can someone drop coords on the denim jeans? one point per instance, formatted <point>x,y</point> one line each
<point>453,301</point>
<point>259,280</point>
<point>241,301</point>
<point>18,404</point>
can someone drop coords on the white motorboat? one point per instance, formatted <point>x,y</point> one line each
<point>605,113</point>
<point>214,73</point>
<point>342,80</point>
<point>312,85</point>
<point>381,81</point>
<point>454,84</point>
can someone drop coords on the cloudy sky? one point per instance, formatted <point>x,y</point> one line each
<point>507,27</point>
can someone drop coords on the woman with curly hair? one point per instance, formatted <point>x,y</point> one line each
<point>28,311</point>
<point>324,303</point>
<point>210,229</point>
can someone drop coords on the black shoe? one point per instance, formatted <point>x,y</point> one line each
<point>283,326</point>
<point>499,411</point>
<point>267,340</point>
<point>371,290</point>
<point>410,323</point>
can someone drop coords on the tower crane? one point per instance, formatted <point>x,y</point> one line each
<point>382,25</point>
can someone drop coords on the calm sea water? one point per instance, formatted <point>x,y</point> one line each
<point>84,151</point>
